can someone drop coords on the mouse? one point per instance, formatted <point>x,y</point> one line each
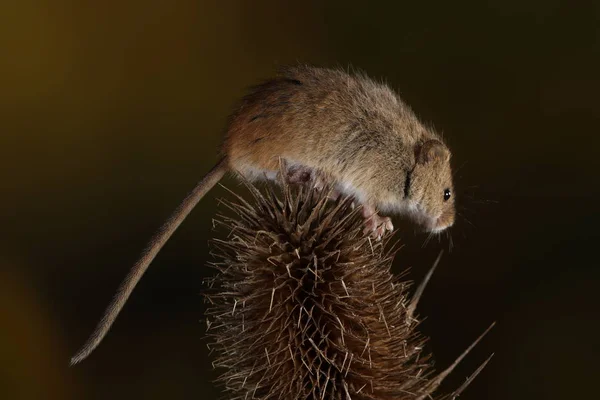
<point>322,126</point>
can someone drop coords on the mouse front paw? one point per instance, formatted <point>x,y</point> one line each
<point>376,224</point>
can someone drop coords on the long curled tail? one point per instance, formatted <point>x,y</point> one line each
<point>156,243</point>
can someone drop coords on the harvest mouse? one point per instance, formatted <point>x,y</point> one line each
<point>327,126</point>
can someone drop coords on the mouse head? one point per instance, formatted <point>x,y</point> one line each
<point>430,192</point>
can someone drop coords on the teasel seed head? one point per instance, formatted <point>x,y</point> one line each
<point>304,305</point>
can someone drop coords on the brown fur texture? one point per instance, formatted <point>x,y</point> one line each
<point>356,133</point>
<point>327,127</point>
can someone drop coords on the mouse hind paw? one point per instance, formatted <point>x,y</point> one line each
<point>298,174</point>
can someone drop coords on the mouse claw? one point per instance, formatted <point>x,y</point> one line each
<point>318,183</point>
<point>388,224</point>
<point>378,226</point>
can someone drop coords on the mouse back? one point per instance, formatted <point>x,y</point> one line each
<point>356,131</point>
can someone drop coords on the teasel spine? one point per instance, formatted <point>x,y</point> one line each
<point>304,305</point>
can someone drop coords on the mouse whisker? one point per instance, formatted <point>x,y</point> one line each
<point>458,169</point>
<point>450,241</point>
<point>429,236</point>
<point>461,215</point>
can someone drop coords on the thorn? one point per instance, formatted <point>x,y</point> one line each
<point>437,381</point>
<point>419,292</point>
<point>272,296</point>
<point>470,379</point>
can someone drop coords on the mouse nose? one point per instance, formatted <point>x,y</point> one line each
<point>444,221</point>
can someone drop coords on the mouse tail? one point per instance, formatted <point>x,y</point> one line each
<point>156,243</point>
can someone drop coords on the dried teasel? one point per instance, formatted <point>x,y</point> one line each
<point>304,306</point>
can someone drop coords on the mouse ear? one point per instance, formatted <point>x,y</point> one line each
<point>433,150</point>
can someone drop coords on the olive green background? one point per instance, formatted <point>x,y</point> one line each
<point>111,111</point>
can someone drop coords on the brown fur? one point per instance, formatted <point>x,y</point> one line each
<point>354,133</point>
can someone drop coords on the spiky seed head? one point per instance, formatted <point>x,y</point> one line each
<point>304,305</point>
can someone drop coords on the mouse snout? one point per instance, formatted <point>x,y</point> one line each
<point>443,221</point>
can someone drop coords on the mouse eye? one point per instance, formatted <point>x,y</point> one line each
<point>447,194</point>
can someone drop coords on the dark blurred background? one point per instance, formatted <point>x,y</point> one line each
<point>111,111</point>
